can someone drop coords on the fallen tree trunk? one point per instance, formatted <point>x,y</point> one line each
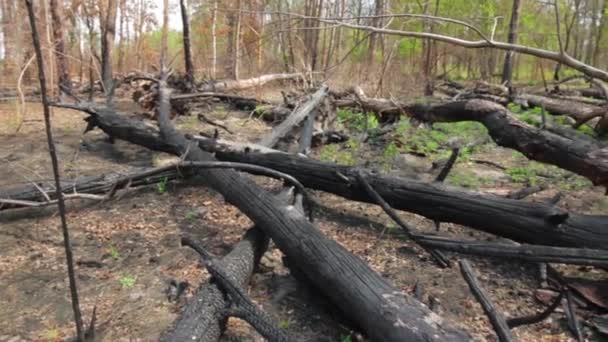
<point>203,318</point>
<point>226,85</point>
<point>240,102</point>
<point>527,222</point>
<point>376,306</point>
<point>532,253</point>
<point>102,184</point>
<point>298,115</point>
<point>581,157</point>
<point>555,106</point>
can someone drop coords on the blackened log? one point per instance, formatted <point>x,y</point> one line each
<point>577,156</point>
<point>202,319</point>
<point>532,253</point>
<point>240,303</point>
<point>533,223</point>
<point>496,318</point>
<point>299,114</point>
<point>372,303</point>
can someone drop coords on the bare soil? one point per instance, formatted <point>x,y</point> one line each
<point>128,250</point>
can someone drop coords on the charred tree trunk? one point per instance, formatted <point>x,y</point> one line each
<point>507,71</point>
<point>186,38</point>
<point>203,318</point>
<point>376,306</point>
<point>532,223</point>
<point>586,159</point>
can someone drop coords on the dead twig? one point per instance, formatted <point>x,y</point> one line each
<point>496,318</point>
<point>441,259</point>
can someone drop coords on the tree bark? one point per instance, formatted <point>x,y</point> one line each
<point>295,118</point>
<point>532,223</point>
<point>59,46</point>
<point>376,306</point>
<point>108,30</point>
<point>202,319</point>
<point>186,38</point>
<point>581,157</point>
<point>507,71</point>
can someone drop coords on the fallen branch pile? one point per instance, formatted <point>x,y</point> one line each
<point>370,302</point>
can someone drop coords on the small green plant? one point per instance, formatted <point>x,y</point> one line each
<point>190,215</point>
<point>391,151</point>
<point>466,179</point>
<point>51,334</point>
<point>601,207</point>
<point>358,121</point>
<point>521,174</point>
<point>285,324</point>
<point>161,187</point>
<point>391,228</point>
<point>114,253</point>
<point>127,281</point>
<point>332,153</point>
<point>346,338</point>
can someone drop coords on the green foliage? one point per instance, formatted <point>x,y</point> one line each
<point>190,216</point>
<point>430,141</point>
<point>358,121</point>
<point>161,187</point>
<point>285,324</point>
<point>346,338</point>
<point>127,281</point>
<point>332,153</point>
<point>114,254</point>
<point>601,206</point>
<point>391,151</point>
<point>408,47</point>
<point>574,183</point>
<point>174,40</point>
<point>466,179</point>
<point>522,174</point>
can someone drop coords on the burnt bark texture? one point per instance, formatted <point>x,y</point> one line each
<point>533,223</point>
<point>203,318</point>
<point>377,307</point>
<point>186,38</point>
<point>579,156</point>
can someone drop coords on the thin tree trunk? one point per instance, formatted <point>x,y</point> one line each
<point>214,40</point>
<point>59,46</point>
<point>121,33</point>
<point>107,43</point>
<point>186,38</point>
<point>49,43</point>
<point>237,42</point>
<point>507,71</point>
<point>55,164</point>
<point>600,31</point>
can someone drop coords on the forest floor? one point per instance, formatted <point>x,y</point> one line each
<point>128,250</point>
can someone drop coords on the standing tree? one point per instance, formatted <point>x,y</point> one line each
<point>107,20</point>
<point>507,71</point>
<point>186,38</point>
<point>63,78</point>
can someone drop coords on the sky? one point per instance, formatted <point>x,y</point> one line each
<point>175,19</point>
